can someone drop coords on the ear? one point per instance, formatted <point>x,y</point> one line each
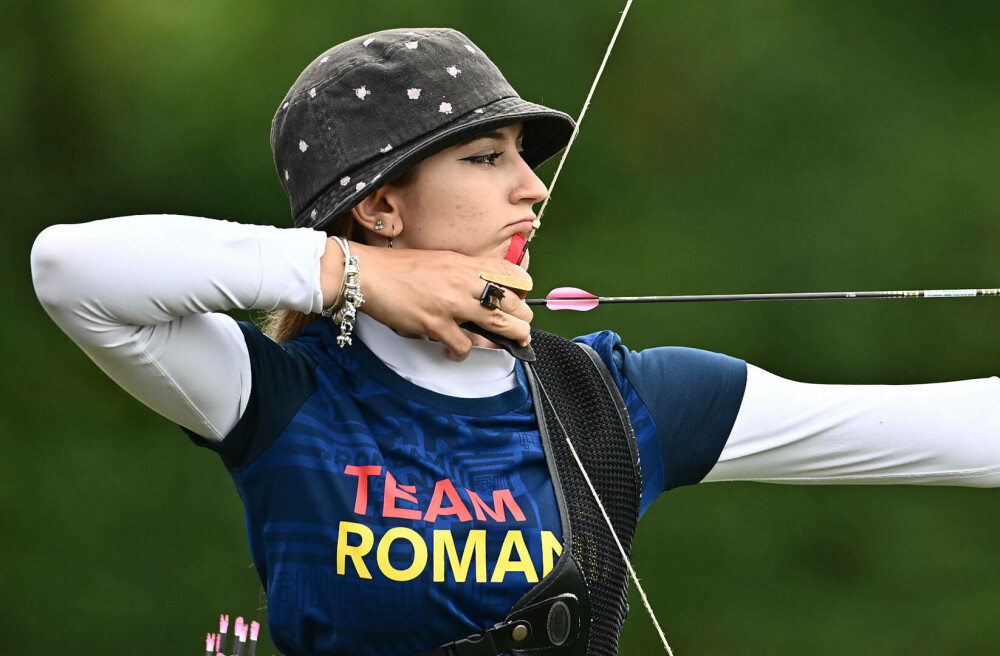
<point>379,214</point>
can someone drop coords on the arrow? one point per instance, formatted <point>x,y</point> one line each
<point>573,298</point>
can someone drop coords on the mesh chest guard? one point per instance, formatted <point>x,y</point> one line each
<point>580,607</point>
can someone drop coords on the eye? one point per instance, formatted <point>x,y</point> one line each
<point>489,159</point>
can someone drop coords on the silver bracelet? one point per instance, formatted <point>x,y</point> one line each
<point>344,308</point>
<point>346,248</point>
<point>353,298</point>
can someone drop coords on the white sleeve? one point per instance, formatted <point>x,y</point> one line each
<point>141,295</point>
<point>933,434</point>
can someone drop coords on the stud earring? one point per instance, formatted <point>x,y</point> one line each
<point>393,236</point>
<point>379,225</point>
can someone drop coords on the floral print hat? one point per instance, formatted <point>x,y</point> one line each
<point>369,109</point>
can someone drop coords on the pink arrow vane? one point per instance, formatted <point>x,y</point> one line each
<point>573,298</point>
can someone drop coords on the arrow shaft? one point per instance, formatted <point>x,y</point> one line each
<point>794,296</point>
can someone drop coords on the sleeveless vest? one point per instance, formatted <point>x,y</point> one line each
<point>580,607</point>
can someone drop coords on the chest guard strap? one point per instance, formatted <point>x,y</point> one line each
<point>580,607</point>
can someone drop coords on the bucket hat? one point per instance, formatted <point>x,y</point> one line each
<point>367,110</point>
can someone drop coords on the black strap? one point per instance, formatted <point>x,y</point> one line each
<point>523,353</point>
<point>547,624</point>
<point>577,396</point>
<point>579,607</point>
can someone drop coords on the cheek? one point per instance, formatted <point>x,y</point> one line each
<point>473,199</point>
<point>453,210</point>
<point>470,213</point>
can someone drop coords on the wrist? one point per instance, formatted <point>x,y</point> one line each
<point>331,275</point>
<point>369,263</point>
<point>344,307</point>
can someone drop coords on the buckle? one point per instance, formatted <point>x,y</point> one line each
<point>547,624</point>
<point>550,623</point>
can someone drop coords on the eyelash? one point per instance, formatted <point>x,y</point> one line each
<point>489,160</point>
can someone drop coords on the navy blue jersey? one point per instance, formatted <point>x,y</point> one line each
<point>385,518</point>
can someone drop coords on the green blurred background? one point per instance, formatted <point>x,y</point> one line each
<point>733,146</point>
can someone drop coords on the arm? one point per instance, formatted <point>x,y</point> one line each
<point>934,434</point>
<point>699,416</point>
<point>140,296</point>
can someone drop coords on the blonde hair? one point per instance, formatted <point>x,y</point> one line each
<point>280,325</point>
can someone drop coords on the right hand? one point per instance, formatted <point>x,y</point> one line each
<point>427,294</point>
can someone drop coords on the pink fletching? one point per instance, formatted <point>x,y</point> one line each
<point>218,642</point>
<point>209,642</point>
<point>570,298</point>
<point>239,626</point>
<point>223,623</point>
<point>254,630</point>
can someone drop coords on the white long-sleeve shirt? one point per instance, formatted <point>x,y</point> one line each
<point>143,297</point>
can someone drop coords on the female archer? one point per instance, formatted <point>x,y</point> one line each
<point>422,472</point>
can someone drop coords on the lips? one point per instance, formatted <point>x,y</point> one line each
<point>525,225</point>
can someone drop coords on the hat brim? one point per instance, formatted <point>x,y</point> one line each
<point>546,132</point>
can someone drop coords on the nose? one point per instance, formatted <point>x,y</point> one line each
<point>529,187</point>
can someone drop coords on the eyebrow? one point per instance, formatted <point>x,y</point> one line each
<point>495,135</point>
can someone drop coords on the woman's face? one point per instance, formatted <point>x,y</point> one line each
<point>471,198</point>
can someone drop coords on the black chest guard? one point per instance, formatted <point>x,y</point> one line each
<point>580,607</point>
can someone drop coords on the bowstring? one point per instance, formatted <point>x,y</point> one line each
<point>569,442</point>
<point>607,518</point>
<point>579,119</point>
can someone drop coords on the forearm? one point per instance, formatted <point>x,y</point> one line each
<point>934,434</point>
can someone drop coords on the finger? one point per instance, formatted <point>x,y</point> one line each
<point>503,324</point>
<point>513,305</point>
<point>457,343</point>
<point>505,314</point>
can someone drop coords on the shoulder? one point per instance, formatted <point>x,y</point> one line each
<point>674,363</point>
<point>690,396</point>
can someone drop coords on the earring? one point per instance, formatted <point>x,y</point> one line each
<point>379,225</point>
<point>393,236</point>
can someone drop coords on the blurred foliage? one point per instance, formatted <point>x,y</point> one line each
<point>780,145</point>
